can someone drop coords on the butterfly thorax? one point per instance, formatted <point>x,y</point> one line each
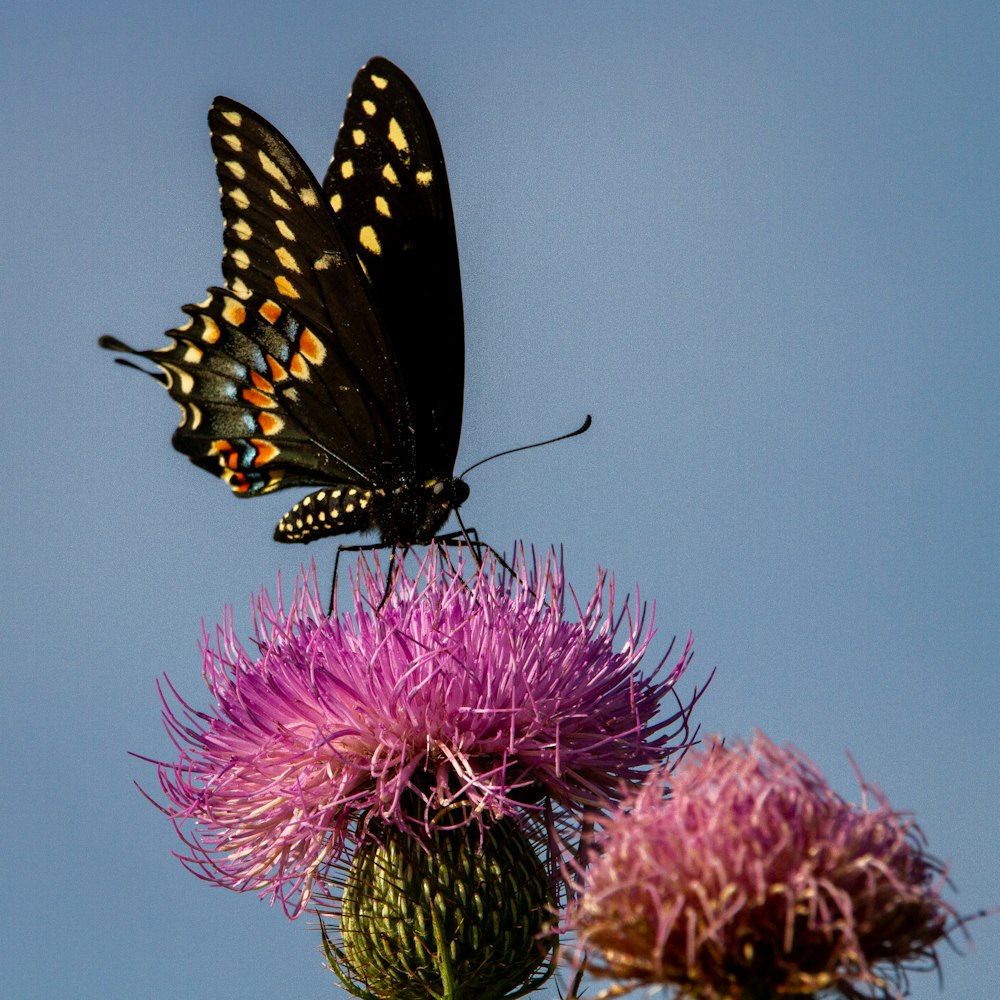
<point>416,512</point>
<point>412,512</point>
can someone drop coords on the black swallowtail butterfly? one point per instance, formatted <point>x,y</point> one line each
<point>334,355</point>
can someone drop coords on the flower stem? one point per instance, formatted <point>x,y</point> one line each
<point>443,959</point>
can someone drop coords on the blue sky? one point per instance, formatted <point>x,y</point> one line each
<point>758,243</point>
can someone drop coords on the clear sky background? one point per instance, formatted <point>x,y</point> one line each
<point>758,242</point>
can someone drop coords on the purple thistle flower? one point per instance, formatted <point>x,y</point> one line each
<point>755,879</point>
<point>474,692</point>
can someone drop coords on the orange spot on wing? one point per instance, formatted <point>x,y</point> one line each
<point>299,368</point>
<point>269,423</point>
<point>255,398</point>
<point>312,347</point>
<point>261,383</point>
<point>278,373</point>
<point>266,452</point>
<point>271,311</point>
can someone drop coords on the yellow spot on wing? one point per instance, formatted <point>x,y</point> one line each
<point>369,107</point>
<point>336,202</point>
<point>308,197</point>
<point>287,289</point>
<point>233,117</point>
<point>239,287</point>
<point>380,81</point>
<point>239,198</point>
<point>358,135</point>
<point>234,312</point>
<point>424,177</point>
<point>369,240</point>
<point>382,207</point>
<point>389,174</point>
<point>287,260</point>
<point>285,229</point>
<point>210,332</point>
<point>193,354</point>
<point>242,229</point>
<point>397,136</point>
<point>179,379</point>
<point>278,200</point>
<point>236,169</point>
<point>347,169</point>
<point>240,259</point>
<point>233,142</point>
<point>273,170</point>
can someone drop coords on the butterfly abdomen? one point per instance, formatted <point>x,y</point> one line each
<point>334,510</point>
<point>412,513</point>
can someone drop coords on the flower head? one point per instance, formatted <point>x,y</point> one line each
<point>471,691</point>
<point>755,879</point>
<point>468,907</point>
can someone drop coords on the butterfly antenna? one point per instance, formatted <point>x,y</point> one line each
<point>524,447</point>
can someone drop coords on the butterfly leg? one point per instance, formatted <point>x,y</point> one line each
<point>467,537</point>
<point>364,548</point>
<point>470,537</point>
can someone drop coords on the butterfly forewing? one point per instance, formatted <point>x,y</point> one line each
<point>389,190</point>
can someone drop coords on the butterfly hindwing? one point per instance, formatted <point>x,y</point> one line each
<point>243,372</point>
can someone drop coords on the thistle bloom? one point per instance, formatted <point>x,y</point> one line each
<point>459,700</point>
<point>755,880</point>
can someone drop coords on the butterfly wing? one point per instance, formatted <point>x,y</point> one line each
<point>388,188</point>
<point>255,385</point>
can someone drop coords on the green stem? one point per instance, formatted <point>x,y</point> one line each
<point>442,960</point>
